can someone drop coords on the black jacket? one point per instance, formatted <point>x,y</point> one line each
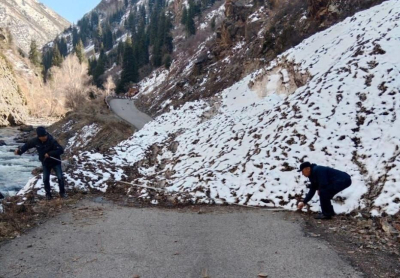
<point>324,178</point>
<point>50,147</point>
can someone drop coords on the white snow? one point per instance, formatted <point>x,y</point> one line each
<point>89,48</point>
<point>244,148</point>
<point>148,84</point>
<point>256,15</point>
<point>83,138</point>
<point>217,13</point>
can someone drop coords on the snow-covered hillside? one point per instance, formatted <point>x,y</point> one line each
<point>244,145</point>
<point>30,20</point>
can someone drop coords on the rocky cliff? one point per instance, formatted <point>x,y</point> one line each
<point>30,20</point>
<point>13,109</point>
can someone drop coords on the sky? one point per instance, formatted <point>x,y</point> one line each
<point>72,10</point>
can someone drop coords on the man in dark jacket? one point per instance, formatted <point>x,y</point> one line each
<point>328,182</point>
<point>49,154</point>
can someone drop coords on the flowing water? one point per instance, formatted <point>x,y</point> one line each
<point>15,171</point>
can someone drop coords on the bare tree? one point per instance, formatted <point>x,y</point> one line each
<point>109,85</point>
<point>68,87</point>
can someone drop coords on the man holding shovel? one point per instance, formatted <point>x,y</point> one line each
<point>49,154</point>
<point>328,182</point>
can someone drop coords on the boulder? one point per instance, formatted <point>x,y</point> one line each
<point>26,128</point>
<point>2,143</point>
<point>387,227</point>
<point>37,171</point>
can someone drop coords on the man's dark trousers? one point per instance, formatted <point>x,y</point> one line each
<point>46,178</point>
<point>326,195</point>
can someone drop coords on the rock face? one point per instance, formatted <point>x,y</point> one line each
<point>13,110</point>
<point>331,10</point>
<point>29,20</point>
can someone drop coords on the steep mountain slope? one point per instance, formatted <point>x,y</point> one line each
<point>333,100</point>
<point>232,38</point>
<point>30,20</point>
<point>247,36</point>
<point>13,109</point>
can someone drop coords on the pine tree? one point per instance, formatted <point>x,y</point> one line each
<point>142,45</point>
<point>168,45</point>
<point>75,36</point>
<point>167,61</point>
<point>46,62</point>
<point>142,15</point>
<point>94,19</point>
<point>62,46</point>
<point>184,16</point>
<point>34,55</point>
<point>100,69</point>
<point>157,55</point>
<point>213,23</point>
<point>120,53</point>
<point>80,52</point>
<point>190,25</point>
<point>130,22</point>
<point>56,59</point>
<point>153,28</point>
<point>129,67</point>
<point>108,41</point>
<point>92,66</point>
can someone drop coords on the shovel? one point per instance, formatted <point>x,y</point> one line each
<point>64,163</point>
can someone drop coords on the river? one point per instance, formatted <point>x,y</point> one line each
<point>15,171</point>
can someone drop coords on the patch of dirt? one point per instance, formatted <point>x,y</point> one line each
<point>362,241</point>
<point>20,216</point>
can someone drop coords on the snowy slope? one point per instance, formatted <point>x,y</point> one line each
<point>244,145</point>
<point>30,20</point>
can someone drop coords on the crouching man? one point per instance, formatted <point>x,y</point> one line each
<point>49,154</point>
<point>328,182</point>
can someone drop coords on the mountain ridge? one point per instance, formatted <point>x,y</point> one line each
<point>29,20</point>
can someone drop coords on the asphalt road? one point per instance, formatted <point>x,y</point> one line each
<point>106,240</point>
<point>125,108</point>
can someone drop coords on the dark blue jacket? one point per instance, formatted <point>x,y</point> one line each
<point>50,147</point>
<point>325,178</point>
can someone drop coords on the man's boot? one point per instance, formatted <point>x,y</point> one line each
<point>48,197</point>
<point>322,217</point>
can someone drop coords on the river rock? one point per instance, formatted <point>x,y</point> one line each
<point>2,143</point>
<point>387,227</point>
<point>26,128</point>
<point>37,171</point>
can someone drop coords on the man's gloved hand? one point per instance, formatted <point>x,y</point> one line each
<point>46,155</point>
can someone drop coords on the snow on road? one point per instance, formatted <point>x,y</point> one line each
<point>243,148</point>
